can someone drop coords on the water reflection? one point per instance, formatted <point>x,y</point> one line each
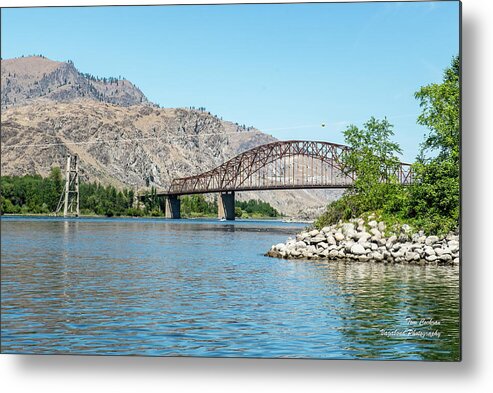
<point>409,299</point>
<point>157,287</point>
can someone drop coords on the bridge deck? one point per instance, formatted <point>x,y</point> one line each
<point>267,188</point>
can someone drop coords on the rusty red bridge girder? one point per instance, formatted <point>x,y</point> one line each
<point>278,165</point>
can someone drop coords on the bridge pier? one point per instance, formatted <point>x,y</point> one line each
<point>226,205</point>
<point>172,206</point>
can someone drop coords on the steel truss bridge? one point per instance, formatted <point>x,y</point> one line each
<point>282,165</point>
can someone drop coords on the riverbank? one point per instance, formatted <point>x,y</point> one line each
<point>80,215</point>
<point>194,217</point>
<point>370,240</point>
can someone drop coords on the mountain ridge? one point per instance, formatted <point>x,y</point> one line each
<point>26,79</point>
<point>128,142</point>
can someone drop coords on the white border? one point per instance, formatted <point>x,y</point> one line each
<point>123,374</point>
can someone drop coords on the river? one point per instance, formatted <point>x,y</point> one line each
<point>204,288</point>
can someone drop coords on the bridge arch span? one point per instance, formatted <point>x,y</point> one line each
<point>291,164</point>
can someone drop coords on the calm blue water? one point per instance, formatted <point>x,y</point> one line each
<point>203,288</point>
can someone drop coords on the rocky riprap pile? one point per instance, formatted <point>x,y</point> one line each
<point>371,241</point>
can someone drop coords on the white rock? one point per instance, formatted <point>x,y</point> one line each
<point>411,256</point>
<point>347,227</point>
<point>439,251</point>
<point>324,253</point>
<point>381,226</point>
<point>377,256</point>
<point>391,240</point>
<point>290,242</point>
<point>280,247</point>
<point>405,248</point>
<point>302,236</point>
<point>431,258</point>
<point>446,250</point>
<point>331,240</point>
<point>366,245</point>
<point>358,249</point>
<point>375,232</point>
<point>339,236</point>
<point>446,257</point>
<point>333,254</point>
<point>300,244</point>
<point>311,249</point>
<point>373,224</point>
<point>317,239</point>
<point>429,250</point>
<point>453,245</point>
<point>314,232</point>
<point>381,241</point>
<point>351,234</point>
<point>431,240</point>
<point>348,245</point>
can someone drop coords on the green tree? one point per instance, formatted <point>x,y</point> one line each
<point>257,208</point>
<point>440,103</point>
<point>373,162</point>
<point>55,188</point>
<point>432,202</point>
<point>130,199</point>
<point>436,191</point>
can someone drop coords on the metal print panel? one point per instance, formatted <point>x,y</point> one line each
<point>258,181</point>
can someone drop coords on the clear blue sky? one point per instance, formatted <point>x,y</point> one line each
<point>284,69</point>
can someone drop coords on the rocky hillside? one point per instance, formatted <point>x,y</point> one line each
<point>33,78</point>
<point>121,139</point>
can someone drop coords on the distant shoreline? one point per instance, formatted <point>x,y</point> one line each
<point>274,219</point>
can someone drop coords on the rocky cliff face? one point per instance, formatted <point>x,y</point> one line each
<point>32,78</point>
<point>121,139</point>
<point>136,146</point>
